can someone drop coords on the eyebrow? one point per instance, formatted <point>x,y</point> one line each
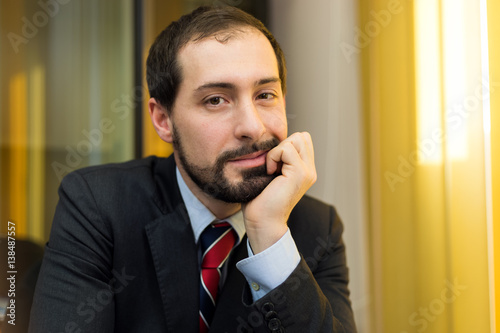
<point>227,85</point>
<point>268,80</point>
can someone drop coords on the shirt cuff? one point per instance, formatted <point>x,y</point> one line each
<point>268,269</point>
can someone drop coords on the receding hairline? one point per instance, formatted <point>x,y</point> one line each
<point>227,34</point>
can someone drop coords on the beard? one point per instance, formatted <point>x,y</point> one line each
<point>212,180</point>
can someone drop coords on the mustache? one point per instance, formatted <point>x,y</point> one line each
<point>247,149</point>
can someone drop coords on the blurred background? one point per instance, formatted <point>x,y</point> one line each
<point>402,99</point>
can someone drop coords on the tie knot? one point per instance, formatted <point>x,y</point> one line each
<point>216,242</point>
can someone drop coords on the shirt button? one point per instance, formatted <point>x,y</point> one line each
<point>255,286</point>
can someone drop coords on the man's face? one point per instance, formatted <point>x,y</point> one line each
<point>228,113</point>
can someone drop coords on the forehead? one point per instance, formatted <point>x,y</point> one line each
<point>246,54</point>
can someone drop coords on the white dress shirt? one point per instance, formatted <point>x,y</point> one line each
<point>263,271</point>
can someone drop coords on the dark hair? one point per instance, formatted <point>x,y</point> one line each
<point>163,72</point>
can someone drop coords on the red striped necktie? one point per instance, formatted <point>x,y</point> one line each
<point>216,243</point>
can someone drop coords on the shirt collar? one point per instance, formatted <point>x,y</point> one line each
<point>200,216</point>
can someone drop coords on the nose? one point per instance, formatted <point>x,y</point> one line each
<point>249,123</point>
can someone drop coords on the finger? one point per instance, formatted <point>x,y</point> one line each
<point>273,159</point>
<point>307,154</point>
<point>304,146</point>
<point>285,153</point>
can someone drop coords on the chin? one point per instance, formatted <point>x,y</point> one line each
<point>243,191</point>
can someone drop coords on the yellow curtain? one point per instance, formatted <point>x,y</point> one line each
<point>424,94</point>
<point>493,8</point>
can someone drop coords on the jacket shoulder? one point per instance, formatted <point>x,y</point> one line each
<point>312,209</point>
<point>151,177</point>
<point>144,171</point>
<point>143,165</point>
<point>312,218</point>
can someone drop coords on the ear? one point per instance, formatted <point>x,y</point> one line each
<point>161,120</point>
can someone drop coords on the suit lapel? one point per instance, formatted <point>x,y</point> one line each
<point>174,253</point>
<point>175,259</point>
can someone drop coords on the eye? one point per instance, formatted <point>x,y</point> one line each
<point>214,101</point>
<point>266,96</point>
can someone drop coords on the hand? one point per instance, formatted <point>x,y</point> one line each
<point>266,215</point>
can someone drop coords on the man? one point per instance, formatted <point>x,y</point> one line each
<point>126,251</point>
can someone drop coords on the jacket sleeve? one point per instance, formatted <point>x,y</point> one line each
<point>74,291</point>
<point>315,297</point>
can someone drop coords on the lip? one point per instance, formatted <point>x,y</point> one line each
<point>250,160</point>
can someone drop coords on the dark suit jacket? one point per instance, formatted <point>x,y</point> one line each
<point>122,258</point>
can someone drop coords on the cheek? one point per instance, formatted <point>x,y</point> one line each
<point>277,125</point>
<point>284,130</point>
<point>210,139</point>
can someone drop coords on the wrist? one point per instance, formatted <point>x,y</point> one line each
<point>264,236</point>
